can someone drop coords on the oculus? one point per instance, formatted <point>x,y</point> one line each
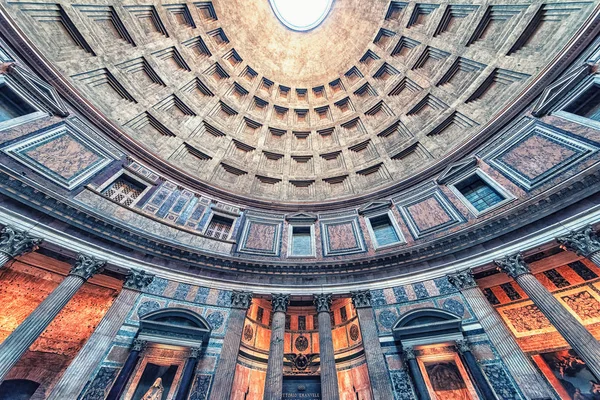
<point>301,15</point>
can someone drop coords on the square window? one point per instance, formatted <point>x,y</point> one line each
<point>219,227</point>
<point>12,105</point>
<point>384,231</point>
<point>301,241</point>
<point>125,190</point>
<point>479,193</point>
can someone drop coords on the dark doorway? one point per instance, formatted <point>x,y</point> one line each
<point>18,389</point>
<point>301,387</point>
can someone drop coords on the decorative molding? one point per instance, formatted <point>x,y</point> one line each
<point>458,168</point>
<point>361,299</point>
<point>409,353</point>
<point>241,300</point>
<point>195,352</point>
<point>87,266</point>
<point>322,302</point>
<point>16,243</point>
<point>375,207</point>
<point>280,302</point>
<point>513,265</point>
<point>301,217</point>
<point>462,280</point>
<point>139,345</point>
<point>138,280</point>
<point>583,242</point>
<point>463,346</point>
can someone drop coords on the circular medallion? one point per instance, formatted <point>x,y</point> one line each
<point>387,318</point>
<point>301,15</point>
<point>215,320</point>
<point>301,343</point>
<point>354,332</point>
<point>248,333</point>
<point>455,307</point>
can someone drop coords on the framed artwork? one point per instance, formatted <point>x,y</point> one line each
<point>446,377</point>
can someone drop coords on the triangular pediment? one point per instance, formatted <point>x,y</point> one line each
<point>559,88</point>
<point>456,169</point>
<point>301,217</point>
<point>375,206</point>
<point>42,90</point>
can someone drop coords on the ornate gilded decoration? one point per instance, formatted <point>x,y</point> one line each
<point>583,242</point>
<point>280,302</point>
<point>322,302</point>
<point>301,343</point>
<point>138,280</point>
<point>301,362</point>
<point>16,243</point>
<point>87,266</point>
<point>462,279</point>
<point>361,299</point>
<point>241,300</point>
<point>513,265</point>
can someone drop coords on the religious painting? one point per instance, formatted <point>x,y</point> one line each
<point>568,374</point>
<point>446,377</point>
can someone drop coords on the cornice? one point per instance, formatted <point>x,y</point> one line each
<point>41,65</point>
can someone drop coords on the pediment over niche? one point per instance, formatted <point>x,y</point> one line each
<point>456,169</point>
<point>301,217</point>
<point>558,89</point>
<point>43,91</point>
<point>375,206</point>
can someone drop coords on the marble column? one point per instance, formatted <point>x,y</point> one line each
<point>14,243</point>
<point>573,331</point>
<point>415,373</point>
<point>17,343</point>
<point>225,374</point>
<point>329,380</point>
<point>481,382</point>
<point>584,242</point>
<point>381,384</point>
<point>531,383</point>
<point>132,359</point>
<point>91,354</point>
<point>187,377</point>
<point>274,381</point>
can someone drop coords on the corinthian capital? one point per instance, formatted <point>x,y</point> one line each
<point>361,299</point>
<point>322,302</point>
<point>583,242</point>
<point>138,280</point>
<point>241,300</point>
<point>87,266</point>
<point>280,302</point>
<point>15,243</point>
<point>462,279</point>
<point>513,265</point>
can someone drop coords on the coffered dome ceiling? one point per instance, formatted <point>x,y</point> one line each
<point>377,93</point>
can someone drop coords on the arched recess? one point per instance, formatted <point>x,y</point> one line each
<point>18,389</point>
<point>174,326</point>
<point>427,326</point>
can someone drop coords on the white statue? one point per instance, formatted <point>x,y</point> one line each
<point>155,392</point>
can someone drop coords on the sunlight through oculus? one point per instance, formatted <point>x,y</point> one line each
<point>301,15</point>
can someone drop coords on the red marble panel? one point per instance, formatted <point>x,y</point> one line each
<point>428,214</point>
<point>260,236</point>
<point>341,236</point>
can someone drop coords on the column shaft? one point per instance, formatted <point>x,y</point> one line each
<point>225,373</point>
<point>381,384</point>
<point>77,374</point>
<point>580,339</point>
<point>595,258</point>
<point>119,386</point>
<point>329,380</point>
<point>274,381</point>
<point>482,384</point>
<point>4,258</point>
<point>187,378</point>
<point>17,343</point>
<point>519,365</point>
<point>417,377</point>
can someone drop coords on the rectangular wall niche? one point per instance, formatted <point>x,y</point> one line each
<point>301,242</point>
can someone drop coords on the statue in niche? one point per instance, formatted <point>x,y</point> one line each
<point>155,392</point>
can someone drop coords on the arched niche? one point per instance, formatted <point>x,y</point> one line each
<point>18,389</point>
<point>427,326</point>
<point>174,326</point>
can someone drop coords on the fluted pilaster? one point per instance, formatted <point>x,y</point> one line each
<point>225,374</point>
<point>329,381</point>
<point>573,331</point>
<point>531,383</point>
<point>17,343</point>
<point>79,371</point>
<point>381,384</point>
<point>15,243</point>
<point>274,381</point>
